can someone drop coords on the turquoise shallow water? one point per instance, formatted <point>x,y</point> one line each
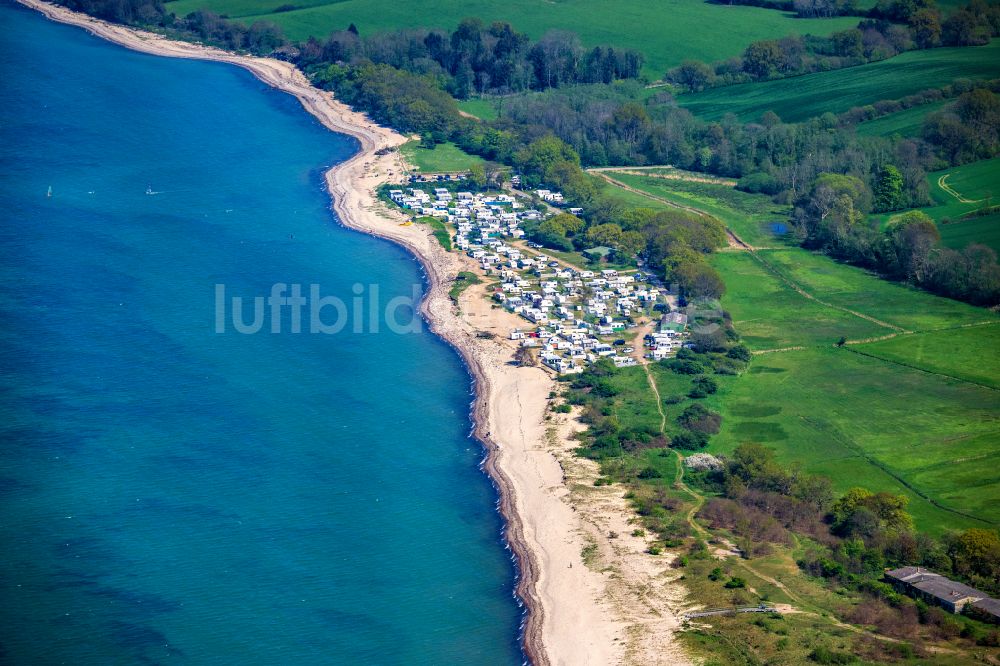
<point>169,494</point>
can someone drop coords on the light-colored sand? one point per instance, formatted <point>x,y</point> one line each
<point>616,608</point>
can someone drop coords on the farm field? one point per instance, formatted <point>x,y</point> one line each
<point>444,157</point>
<point>866,422</point>
<point>665,32</point>
<point>802,97</point>
<point>903,123</point>
<point>985,230</point>
<point>976,183</point>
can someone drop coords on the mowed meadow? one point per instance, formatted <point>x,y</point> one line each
<point>908,404</point>
<point>444,157</point>
<point>665,32</point>
<point>802,97</point>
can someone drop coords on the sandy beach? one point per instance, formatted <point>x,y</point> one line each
<point>617,605</point>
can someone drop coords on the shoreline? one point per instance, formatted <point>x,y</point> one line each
<point>624,611</point>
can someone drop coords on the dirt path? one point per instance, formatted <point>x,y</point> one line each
<point>778,350</point>
<point>680,175</point>
<point>618,183</point>
<point>943,184</point>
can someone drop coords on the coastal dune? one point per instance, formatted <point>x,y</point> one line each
<point>617,605</point>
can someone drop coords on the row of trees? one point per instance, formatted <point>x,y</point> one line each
<point>476,58</point>
<point>873,39</point>
<point>885,107</point>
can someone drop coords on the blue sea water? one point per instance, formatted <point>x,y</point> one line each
<point>172,494</point>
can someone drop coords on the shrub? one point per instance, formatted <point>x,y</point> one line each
<point>740,353</point>
<point>823,655</point>
<point>683,366</point>
<point>689,440</point>
<point>759,183</point>
<point>735,583</point>
<point>706,384</point>
<point>700,419</point>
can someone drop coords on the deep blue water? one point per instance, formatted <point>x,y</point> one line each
<point>171,494</point>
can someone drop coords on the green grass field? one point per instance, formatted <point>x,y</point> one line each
<point>769,314</point>
<point>895,304</point>
<point>955,353</point>
<point>903,123</point>
<point>985,230</point>
<point>912,414</point>
<point>866,422</point>
<point>444,157</point>
<point>751,216</point>
<point>482,108</point>
<point>665,32</point>
<point>802,97</point>
<point>978,184</point>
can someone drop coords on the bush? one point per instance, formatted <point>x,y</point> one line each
<point>689,441</point>
<point>740,353</point>
<point>735,583</point>
<point>823,655</point>
<point>700,419</point>
<point>683,367</point>
<point>705,384</point>
<point>650,473</point>
<point>759,183</point>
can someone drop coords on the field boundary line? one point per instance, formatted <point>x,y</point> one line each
<point>922,331</point>
<point>778,350</point>
<point>924,370</point>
